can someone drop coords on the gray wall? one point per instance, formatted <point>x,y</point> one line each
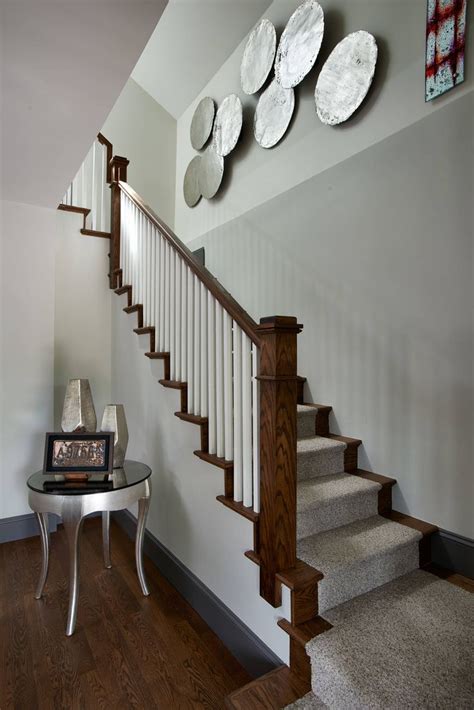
<point>374,256</point>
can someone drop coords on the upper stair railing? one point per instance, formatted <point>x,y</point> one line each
<point>237,377</point>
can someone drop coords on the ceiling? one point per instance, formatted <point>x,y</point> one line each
<point>191,42</point>
<point>63,64</point>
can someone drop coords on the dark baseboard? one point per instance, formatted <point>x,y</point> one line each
<point>453,552</point>
<point>23,526</point>
<point>252,653</point>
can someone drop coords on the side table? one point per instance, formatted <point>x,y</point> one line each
<point>131,484</point>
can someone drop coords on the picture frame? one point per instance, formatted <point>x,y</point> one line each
<point>77,455</point>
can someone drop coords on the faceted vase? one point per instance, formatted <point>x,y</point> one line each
<point>78,410</point>
<point>114,420</point>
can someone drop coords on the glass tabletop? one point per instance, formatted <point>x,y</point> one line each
<point>133,472</point>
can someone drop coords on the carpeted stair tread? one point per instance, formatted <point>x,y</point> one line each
<point>358,557</point>
<point>407,644</point>
<point>319,456</point>
<point>307,702</point>
<point>331,501</point>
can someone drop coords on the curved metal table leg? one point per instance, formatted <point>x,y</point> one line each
<point>72,521</point>
<point>42,519</point>
<point>143,505</point>
<point>106,538</point>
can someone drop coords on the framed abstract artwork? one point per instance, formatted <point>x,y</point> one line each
<point>78,455</point>
<point>445,41</point>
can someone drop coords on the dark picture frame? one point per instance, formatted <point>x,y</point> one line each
<point>78,453</point>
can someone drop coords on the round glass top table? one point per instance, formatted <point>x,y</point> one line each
<point>73,500</point>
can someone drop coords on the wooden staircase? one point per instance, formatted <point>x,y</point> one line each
<point>274,519</point>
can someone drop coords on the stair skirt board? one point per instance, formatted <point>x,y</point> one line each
<point>407,644</point>
<point>358,557</point>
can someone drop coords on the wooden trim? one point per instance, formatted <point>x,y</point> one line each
<point>202,422</point>
<point>241,317</point>
<point>147,330</point>
<point>110,150</point>
<point>276,689</point>
<point>85,211</point>
<point>278,399</point>
<point>138,309</point>
<point>119,166</point>
<point>248,513</point>
<point>95,233</point>
<point>426,529</point>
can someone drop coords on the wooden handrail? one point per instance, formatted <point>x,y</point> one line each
<point>110,151</point>
<point>241,317</point>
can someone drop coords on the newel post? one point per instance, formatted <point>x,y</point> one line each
<point>118,170</point>
<point>278,400</point>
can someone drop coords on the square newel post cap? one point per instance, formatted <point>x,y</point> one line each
<point>280,324</point>
<point>118,166</point>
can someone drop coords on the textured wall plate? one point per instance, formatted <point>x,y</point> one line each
<point>273,114</point>
<point>191,189</point>
<point>299,44</point>
<point>228,125</point>
<point>346,77</point>
<point>259,54</point>
<point>211,172</point>
<point>202,121</point>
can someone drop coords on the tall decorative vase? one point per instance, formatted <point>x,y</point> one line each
<point>114,420</point>
<point>78,410</point>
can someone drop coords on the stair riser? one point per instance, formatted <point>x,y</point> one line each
<point>320,463</point>
<point>306,425</point>
<point>335,513</point>
<point>349,582</point>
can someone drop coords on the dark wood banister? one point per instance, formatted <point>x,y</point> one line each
<point>110,150</point>
<point>241,317</point>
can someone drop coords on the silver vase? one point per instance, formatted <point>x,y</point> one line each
<point>78,410</point>
<point>114,420</point>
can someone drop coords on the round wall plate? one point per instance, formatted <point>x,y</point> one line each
<point>211,172</point>
<point>258,57</point>
<point>201,123</point>
<point>191,190</point>
<point>273,114</point>
<point>346,77</point>
<point>299,44</point>
<point>228,125</point>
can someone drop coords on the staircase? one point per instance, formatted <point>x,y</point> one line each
<point>322,527</point>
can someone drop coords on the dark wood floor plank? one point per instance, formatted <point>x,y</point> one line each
<point>128,651</point>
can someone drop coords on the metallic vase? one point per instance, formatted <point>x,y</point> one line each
<point>78,410</point>
<point>114,420</point>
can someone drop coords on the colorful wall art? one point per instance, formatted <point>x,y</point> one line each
<point>445,39</point>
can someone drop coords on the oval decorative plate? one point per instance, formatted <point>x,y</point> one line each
<point>273,114</point>
<point>299,44</point>
<point>258,57</point>
<point>211,172</point>
<point>202,121</point>
<point>228,125</point>
<point>346,77</point>
<point>191,191</point>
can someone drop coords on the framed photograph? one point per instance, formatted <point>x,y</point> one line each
<point>78,455</point>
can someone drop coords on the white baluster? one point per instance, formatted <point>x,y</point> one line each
<point>184,321</point>
<point>167,309</point>
<point>172,315</point>
<point>256,427</point>
<point>82,181</point>
<point>190,354</point>
<point>102,187</point>
<point>203,358</point>
<point>162,311</point>
<point>93,205</point>
<point>228,398</point>
<point>197,348</point>
<point>247,421</point>
<point>177,354</point>
<point>238,484</point>
<point>148,271</point>
<point>219,381</point>
<point>211,376</point>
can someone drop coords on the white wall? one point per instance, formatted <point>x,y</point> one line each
<point>82,313</point>
<point>255,175</point>
<point>142,131</point>
<point>55,324</point>
<point>27,348</point>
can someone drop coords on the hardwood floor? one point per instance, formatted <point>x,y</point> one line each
<point>128,651</point>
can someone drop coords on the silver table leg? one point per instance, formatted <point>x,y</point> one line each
<point>42,519</point>
<point>72,521</point>
<point>106,538</point>
<point>143,505</point>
